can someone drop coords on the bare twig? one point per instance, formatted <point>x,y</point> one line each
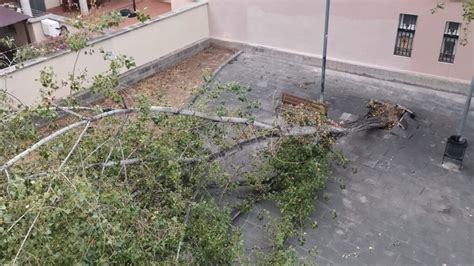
<point>31,226</point>
<point>26,237</point>
<point>13,96</point>
<point>124,166</point>
<point>68,110</point>
<point>17,220</point>
<point>58,133</point>
<point>8,175</point>
<point>8,182</point>
<point>116,137</point>
<point>106,160</point>
<point>79,139</point>
<point>188,209</point>
<point>40,143</point>
<point>115,163</point>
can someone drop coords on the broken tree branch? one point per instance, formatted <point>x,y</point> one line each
<point>158,109</point>
<point>364,124</point>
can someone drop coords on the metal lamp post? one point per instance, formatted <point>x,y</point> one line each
<point>456,145</point>
<point>127,13</point>
<point>325,50</point>
<point>134,14</point>
<point>462,126</point>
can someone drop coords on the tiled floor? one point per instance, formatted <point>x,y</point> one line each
<point>153,8</point>
<point>398,205</point>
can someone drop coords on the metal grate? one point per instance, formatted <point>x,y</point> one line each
<point>450,40</point>
<point>405,35</point>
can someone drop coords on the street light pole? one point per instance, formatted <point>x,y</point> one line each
<point>325,50</point>
<point>462,126</point>
<point>134,14</point>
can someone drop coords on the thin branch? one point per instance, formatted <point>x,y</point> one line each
<point>94,165</point>
<point>82,163</point>
<point>222,119</point>
<point>40,143</point>
<point>188,209</point>
<point>26,237</point>
<point>116,137</point>
<point>58,133</point>
<point>13,96</point>
<point>31,226</point>
<point>106,160</point>
<point>62,108</point>
<point>69,111</point>
<point>8,182</point>
<point>114,163</point>
<point>17,220</point>
<point>79,139</point>
<point>124,166</point>
<point>8,175</point>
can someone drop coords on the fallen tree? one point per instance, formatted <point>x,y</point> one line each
<point>129,185</point>
<point>128,158</point>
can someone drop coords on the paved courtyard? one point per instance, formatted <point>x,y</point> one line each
<point>395,203</point>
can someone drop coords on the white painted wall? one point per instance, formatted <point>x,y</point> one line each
<point>145,43</point>
<point>177,4</point>
<point>52,3</point>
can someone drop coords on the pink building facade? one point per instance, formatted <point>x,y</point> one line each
<point>362,32</point>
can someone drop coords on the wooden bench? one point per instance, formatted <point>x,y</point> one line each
<point>295,100</point>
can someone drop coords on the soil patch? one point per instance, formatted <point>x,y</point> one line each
<point>175,85</point>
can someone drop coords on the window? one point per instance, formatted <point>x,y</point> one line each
<point>405,35</point>
<point>450,40</point>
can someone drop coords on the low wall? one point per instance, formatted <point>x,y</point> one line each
<point>35,28</point>
<point>146,43</point>
<point>178,4</point>
<point>406,77</point>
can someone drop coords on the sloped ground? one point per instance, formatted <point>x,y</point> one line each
<point>394,204</point>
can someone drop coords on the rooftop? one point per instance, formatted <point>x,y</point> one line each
<point>153,8</point>
<point>10,17</point>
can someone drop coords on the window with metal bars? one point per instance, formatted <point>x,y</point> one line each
<point>450,41</point>
<point>405,35</point>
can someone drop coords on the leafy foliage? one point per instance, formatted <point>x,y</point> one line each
<point>468,16</point>
<point>77,199</point>
<point>157,210</point>
<point>16,55</point>
<point>468,8</point>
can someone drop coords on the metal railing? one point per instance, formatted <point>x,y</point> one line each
<point>22,53</point>
<point>39,13</point>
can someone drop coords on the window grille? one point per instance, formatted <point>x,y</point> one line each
<point>450,40</point>
<point>405,35</point>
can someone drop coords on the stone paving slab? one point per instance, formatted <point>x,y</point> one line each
<point>398,206</point>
